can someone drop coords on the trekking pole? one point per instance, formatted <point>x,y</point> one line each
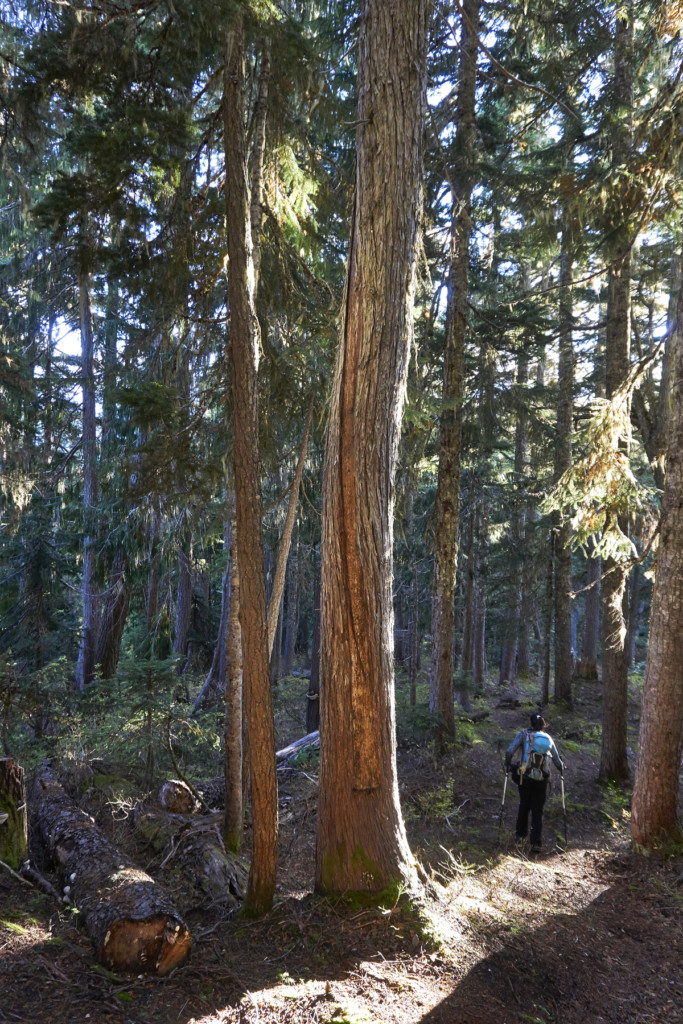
<point>564,809</point>
<point>502,805</point>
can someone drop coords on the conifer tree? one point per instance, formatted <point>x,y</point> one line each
<point>447,505</point>
<point>655,792</point>
<point>361,841</point>
<point>613,756</point>
<point>244,347</point>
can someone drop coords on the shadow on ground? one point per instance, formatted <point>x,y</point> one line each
<point>618,962</point>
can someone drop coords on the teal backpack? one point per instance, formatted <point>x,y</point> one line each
<point>536,758</point>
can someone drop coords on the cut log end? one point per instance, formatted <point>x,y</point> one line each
<point>133,924</point>
<point>154,945</point>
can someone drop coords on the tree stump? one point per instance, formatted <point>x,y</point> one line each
<point>13,818</point>
<point>133,924</point>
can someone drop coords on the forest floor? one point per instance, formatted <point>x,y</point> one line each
<point>587,932</point>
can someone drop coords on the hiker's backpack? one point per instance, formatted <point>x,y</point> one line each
<point>535,759</point>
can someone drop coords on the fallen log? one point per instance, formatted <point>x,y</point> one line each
<point>133,924</point>
<point>175,796</point>
<point>193,858</point>
<point>13,818</point>
<point>311,739</point>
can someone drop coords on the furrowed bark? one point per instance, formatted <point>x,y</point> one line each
<point>361,842</point>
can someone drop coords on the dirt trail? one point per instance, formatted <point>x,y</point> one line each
<point>587,934</point>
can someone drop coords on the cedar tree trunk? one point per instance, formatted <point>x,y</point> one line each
<point>361,841</point>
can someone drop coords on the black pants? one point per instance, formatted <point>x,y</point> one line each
<point>531,798</point>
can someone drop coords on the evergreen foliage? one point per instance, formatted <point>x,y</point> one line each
<point>112,167</point>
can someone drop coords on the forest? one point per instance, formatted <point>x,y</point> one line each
<point>341,433</point>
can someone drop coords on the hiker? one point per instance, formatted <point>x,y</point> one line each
<point>531,775</point>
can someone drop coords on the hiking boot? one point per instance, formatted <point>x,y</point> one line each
<point>536,849</point>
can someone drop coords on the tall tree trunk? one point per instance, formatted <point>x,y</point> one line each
<point>634,610</point>
<point>487,427</point>
<point>508,665</point>
<point>548,619</point>
<point>292,617</point>
<point>654,422</point>
<point>414,638</point>
<point>468,603</point>
<point>214,684</point>
<point>113,617</point>
<point>655,791</point>
<point>183,610</point>
<point>233,821</point>
<point>257,158</point>
<point>588,665</point>
<point>613,756</point>
<point>563,460</point>
<point>86,654</point>
<point>447,506</point>
<point>249,541</point>
<point>479,665</point>
<point>285,541</point>
<point>276,652</point>
<point>313,694</point>
<point>152,640</point>
<point>361,840</point>
<point>116,600</point>
<point>528,584</point>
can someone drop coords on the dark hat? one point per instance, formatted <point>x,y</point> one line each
<point>537,721</point>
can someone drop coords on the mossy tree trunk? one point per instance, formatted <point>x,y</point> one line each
<point>13,829</point>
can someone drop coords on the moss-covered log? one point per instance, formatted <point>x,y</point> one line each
<point>13,818</point>
<point>133,924</point>
<point>194,861</point>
